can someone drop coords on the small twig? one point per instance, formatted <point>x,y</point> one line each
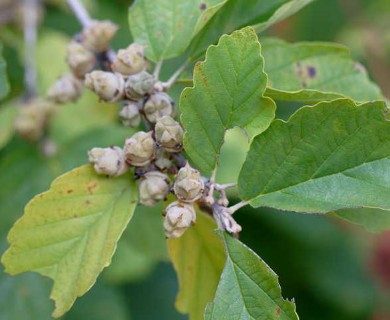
<point>225,186</point>
<point>168,84</point>
<point>157,69</point>
<point>80,12</point>
<point>210,195</point>
<point>237,206</point>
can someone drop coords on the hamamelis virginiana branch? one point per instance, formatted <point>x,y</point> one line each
<point>80,12</point>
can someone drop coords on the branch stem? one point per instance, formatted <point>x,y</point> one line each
<point>80,12</point>
<point>225,186</point>
<point>157,69</point>
<point>168,84</point>
<point>237,206</point>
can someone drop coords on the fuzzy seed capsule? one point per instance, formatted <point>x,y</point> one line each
<point>109,161</point>
<point>179,216</point>
<point>189,185</point>
<point>98,34</point>
<point>109,86</point>
<point>153,188</point>
<point>162,162</point>
<point>169,134</point>
<point>130,61</point>
<point>66,89</point>
<point>130,114</point>
<point>80,59</point>
<point>158,105</point>
<point>140,149</point>
<point>32,117</point>
<point>138,85</point>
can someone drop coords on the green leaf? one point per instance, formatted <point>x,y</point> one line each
<point>374,220</point>
<point>248,288</point>
<point>167,27</point>
<point>228,92</point>
<point>313,72</point>
<point>198,257</point>
<point>286,10</point>
<point>237,14</point>
<point>4,86</point>
<point>7,117</point>
<point>331,156</point>
<point>69,233</point>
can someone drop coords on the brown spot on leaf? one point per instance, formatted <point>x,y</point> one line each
<point>278,311</point>
<point>70,191</point>
<point>91,186</point>
<point>203,6</point>
<point>87,202</point>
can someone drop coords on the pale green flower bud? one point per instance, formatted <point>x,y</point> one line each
<point>109,161</point>
<point>153,188</point>
<point>179,216</point>
<point>130,60</point>
<point>109,86</point>
<point>189,185</point>
<point>140,149</point>
<point>130,114</point>
<point>98,34</point>
<point>169,134</point>
<point>158,105</point>
<point>80,60</point>
<point>138,85</point>
<point>66,89</point>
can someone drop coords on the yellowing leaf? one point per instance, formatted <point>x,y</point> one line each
<point>69,233</point>
<point>198,257</point>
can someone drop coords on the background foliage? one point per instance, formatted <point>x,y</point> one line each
<point>337,270</point>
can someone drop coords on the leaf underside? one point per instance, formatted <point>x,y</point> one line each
<point>69,233</point>
<point>228,92</point>
<point>332,156</point>
<point>248,288</point>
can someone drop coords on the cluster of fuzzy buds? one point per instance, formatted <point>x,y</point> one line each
<point>82,56</point>
<point>154,154</point>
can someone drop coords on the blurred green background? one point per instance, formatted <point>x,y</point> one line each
<point>333,270</point>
